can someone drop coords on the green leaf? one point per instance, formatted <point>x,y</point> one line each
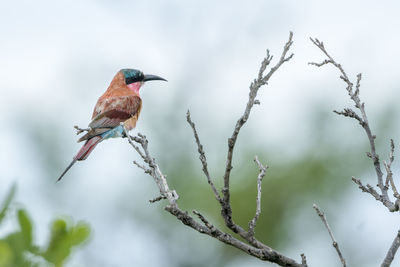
<point>6,254</point>
<point>18,250</point>
<point>7,201</point>
<point>57,250</point>
<point>26,227</point>
<point>79,233</point>
<point>16,243</point>
<point>63,238</point>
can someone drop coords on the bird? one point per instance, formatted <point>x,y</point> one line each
<point>115,112</point>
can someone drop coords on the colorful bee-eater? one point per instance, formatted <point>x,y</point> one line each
<point>117,110</point>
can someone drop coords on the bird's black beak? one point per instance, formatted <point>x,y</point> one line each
<point>150,77</point>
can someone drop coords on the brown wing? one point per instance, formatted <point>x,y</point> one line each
<point>112,111</point>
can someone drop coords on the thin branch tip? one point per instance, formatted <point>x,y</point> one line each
<point>156,199</point>
<point>335,244</point>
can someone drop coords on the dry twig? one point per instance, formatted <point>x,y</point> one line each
<point>261,80</point>
<point>202,157</point>
<point>157,199</point>
<point>392,251</point>
<point>263,170</point>
<point>363,121</point>
<point>334,243</point>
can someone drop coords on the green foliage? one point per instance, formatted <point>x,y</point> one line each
<point>18,250</point>
<point>63,239</point>
<point>7,202</point>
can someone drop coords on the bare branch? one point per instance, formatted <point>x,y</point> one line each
<point>264,65</point>
<point>389,173</point>
<point>153,170</point>
<point>392,251</point>
<point>363,120</point>
<point>262,79</point>
<point>263,170</point>
<point>335,244</point>
<point>268,253</point>
<point>205,221</point>
<point>156,199</point>
<point>202,157</point>
<point>370,190</point>
<point>265,254</point>
<point>347,112</point>
<point>254,247</point>
<point>130,140</point>
<point>259,250</point>
<point>357,92</point>
<point>325,62</point>
<point>142,167</point>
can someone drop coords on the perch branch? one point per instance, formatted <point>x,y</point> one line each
<point>253,247</point>
<point>262,252</point>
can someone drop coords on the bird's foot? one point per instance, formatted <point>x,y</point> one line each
<point>125,131</point>
<point>81,130</point>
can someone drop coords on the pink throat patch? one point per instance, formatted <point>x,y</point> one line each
<point>135,86</point>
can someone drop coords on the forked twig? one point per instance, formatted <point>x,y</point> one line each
<point>262,79</point>
<point>363,121</point>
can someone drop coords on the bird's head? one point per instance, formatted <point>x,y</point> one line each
<point>134,79</point>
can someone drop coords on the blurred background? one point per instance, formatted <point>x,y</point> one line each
<point>58,57</point>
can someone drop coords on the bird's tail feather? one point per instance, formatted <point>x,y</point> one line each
<point>83,153</point>
<point>87,148</point>
<point>69,167</point>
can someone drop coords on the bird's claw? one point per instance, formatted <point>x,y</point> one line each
<point>125,131</point>
<point>81,130</point>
